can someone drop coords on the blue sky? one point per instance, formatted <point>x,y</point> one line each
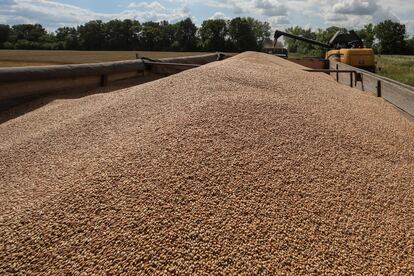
<point>279,13</point>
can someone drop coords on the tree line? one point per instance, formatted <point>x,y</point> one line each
<point>238,34</point>
<point>235,35</point>
<point>387,37</point>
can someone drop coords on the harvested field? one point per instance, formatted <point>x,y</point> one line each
<point>17,58</point>
<point>246,165</point>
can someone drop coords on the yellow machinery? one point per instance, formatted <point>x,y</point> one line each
<point>363,58</point>
<point>345,47</point>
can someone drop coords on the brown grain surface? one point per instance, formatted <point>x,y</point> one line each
<point>246,165</point>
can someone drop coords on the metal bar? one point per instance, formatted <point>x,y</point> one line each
<point>73,71</point>
<point>311,41</point>
<point>359,77</point>
<point>329,71</point>
<point>172,64</point>
<point>351,76</point>
<point>396,93</point>
<point>104,80</point>
<point>379,92</point>
<point>337,74</point>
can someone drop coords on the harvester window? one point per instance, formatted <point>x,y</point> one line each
<point>335,56</point>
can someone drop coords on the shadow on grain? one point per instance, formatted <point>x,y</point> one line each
<point>12,109</point>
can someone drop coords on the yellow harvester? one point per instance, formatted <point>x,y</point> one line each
<point>346,47</point>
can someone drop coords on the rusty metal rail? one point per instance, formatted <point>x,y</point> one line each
<point>329,70</point>
<point>189,65</point>
<point>353,75</point>
<point>167,68</point>
<point>399,94</point>
<point>20,84</point>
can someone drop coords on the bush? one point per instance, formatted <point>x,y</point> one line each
<point>27,45</point>
<point>8,45</point>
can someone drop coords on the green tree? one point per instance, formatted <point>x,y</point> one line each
<point>213,34</point>
<point>150,36</point>
<point>115,36</point>
<point>409,46</point>
<point>30,36</point>
<point>28,32</point>
<point>391,36</point>
<point>92,35</point>
<point>367,34</point>
<point>261,31</point>
<point>4,34</point>
<point>134,28</point>
<point>186,36</point>
<point>242,36</point>
<point>121,35</point>
<point>167,35</point>
<point>69,36</point>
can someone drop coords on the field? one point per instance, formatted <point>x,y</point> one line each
<point>400,68</point>
<point>9,58</point>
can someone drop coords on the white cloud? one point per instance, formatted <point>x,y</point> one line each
<point>256,7</point>
<point>52,14</point>
<point>356,7</point>
<point>270,7</point>
<point>335,17</point>
<point>49,13</point>
<point>353,14</point>
<point>278,21</point>
<point>410,26</point>
<point>218,15</point>
<point>154,11</point>
<point>154,6</point>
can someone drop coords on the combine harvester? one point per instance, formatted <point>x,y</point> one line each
<point>351,63</point>
<point>345,47</point>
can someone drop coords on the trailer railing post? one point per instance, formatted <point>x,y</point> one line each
<point>337,73</point>
<point>379,92</point>
<point>351,79</point>
<point>104,80</point>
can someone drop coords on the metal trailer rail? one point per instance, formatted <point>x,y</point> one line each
<point>398,94</point>
<point>353,75</point>
<point>20,84</point>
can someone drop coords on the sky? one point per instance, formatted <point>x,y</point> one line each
<point>279,13</point>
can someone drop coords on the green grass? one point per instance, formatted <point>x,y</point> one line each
<point>399,68</point>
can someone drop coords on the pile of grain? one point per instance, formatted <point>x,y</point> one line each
<point>246,165</point>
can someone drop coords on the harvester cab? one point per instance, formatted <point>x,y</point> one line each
<point>346,40</point>
<point>345,46</point>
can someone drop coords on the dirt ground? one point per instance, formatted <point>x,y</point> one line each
<point>247,165</point>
